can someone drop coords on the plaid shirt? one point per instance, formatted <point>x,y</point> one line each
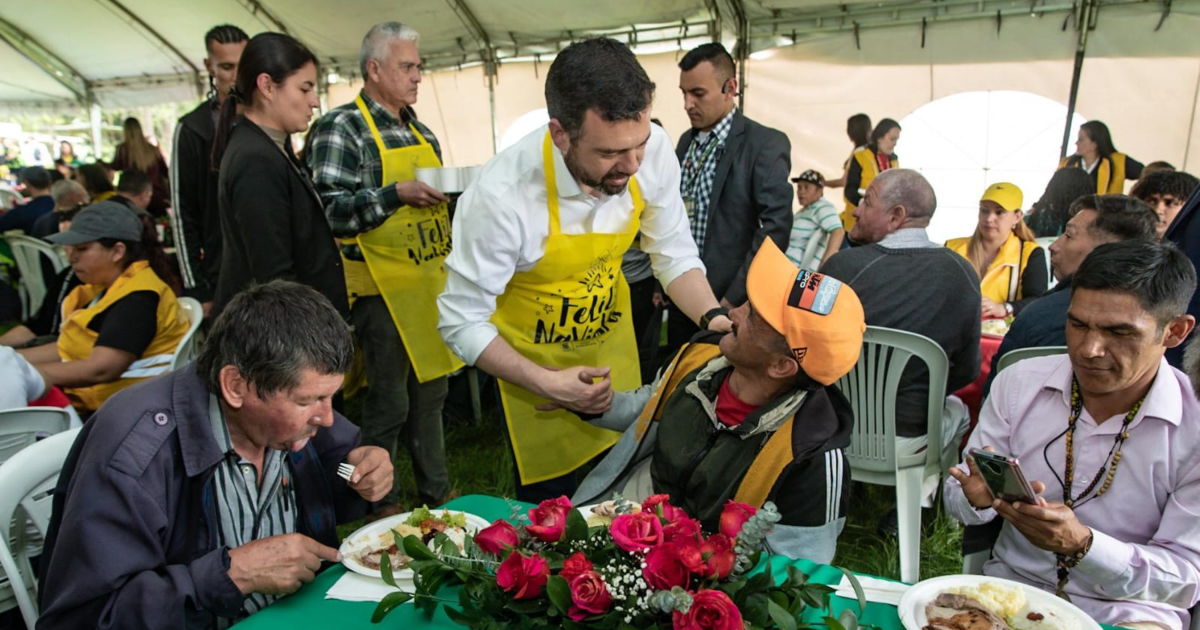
<point>698,174</point>
<point>347,169</point>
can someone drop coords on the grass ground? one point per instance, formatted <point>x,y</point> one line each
<point>480,463</point>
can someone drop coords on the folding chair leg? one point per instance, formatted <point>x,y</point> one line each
<point>473,385</point>
<point>908,513</point>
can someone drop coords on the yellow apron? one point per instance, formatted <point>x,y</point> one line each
<point>405,260</point>
<point>570,309</point>
<point>1002,281</point>
<point>870,169</point>
<point>1110,176</point>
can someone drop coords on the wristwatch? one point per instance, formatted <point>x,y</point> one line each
<point>707,318</point>
<point>1008,309</point>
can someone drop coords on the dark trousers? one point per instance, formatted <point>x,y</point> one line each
<point>396,404</point>
<point>647,324</point>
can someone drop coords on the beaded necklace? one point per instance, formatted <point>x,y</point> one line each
<point>1065,562</point>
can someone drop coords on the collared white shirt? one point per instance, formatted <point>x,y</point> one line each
<point>502,222</point>
<point>1144,563</point>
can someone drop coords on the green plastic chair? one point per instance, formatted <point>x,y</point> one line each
<point>871,389</point>
<point>1020,354</point>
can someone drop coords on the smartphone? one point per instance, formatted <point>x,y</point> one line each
<point>1003,476</point>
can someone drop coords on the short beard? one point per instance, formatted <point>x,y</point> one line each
<point>578,172</point>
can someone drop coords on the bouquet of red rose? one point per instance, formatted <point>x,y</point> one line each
<point>652,567</point>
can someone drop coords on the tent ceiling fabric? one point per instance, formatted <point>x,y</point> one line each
<point>126,64</point>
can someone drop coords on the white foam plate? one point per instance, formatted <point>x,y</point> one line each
<point>360,540</point>
<point>912,603</point>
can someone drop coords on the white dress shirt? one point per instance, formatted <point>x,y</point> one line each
<point>502,222</point>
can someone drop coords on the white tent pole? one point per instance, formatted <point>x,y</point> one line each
<point>1087,13</point>
<point>491,70</point>
<point>94,114</point>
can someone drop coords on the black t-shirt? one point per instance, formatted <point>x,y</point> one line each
<point>129,324</point>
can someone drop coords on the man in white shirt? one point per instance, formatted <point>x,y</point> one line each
<point>534,293</point>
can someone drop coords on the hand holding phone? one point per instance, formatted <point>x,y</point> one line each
<point>1003,476</point>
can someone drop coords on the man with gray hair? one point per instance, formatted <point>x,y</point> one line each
<point>907,282</point>
<point>197,498</point>
<point>395,233</point>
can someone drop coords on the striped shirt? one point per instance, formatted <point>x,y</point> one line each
<point>348,171</point>
<point>249,511</point>
<point>699,173</point>
<point>811,228</point>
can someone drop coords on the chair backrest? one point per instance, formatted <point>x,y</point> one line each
<point>1021,354</point>
<point>28,252</point>
<point>871,388</point>
<point>9,198</point>
<point>187,348</point>
<point>26,482</point>
<point>19,428</point>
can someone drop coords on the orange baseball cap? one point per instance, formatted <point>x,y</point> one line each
<point>821,317</point>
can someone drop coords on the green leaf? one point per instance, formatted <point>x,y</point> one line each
<point>848,619</point>
<point>796,577</point>
<point>527,607</point>
<point>782,618</point>
<point>560,593</point>
<point>858,591</point>
<point>755,610</point>
<point>389,603</point>
<point>459,618</point>
<point>833,624</point>
<point>759,582</point>
<point>779,597</point>
<point>415,549</point>
<point>577,528</point>
<point>385,571</point>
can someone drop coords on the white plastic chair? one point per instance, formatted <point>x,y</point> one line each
<point>871,389</point>
<point>28,252</point>
<point>1045,242</point>
<point>26,482</point>
<point>9,198</point>
<point>187,348</point>
<point>1020,354</point>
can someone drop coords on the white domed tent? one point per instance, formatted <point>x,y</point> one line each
<point>811,63</point>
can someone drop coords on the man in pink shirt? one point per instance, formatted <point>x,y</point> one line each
<point>1106,435</point>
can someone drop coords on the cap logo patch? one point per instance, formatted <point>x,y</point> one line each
<point>799,354</point>
<point>814,292</point>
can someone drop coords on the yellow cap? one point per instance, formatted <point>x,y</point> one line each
<point>1007,195</point>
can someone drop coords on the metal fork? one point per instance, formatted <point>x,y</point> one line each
<point>345,471</point>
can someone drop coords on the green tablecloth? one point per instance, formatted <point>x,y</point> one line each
<point>308,608</point>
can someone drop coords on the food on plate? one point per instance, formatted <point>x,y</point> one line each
<point>422,522</point>
<point>603,513</point>
<point>994,326</point>
<point>990,606</point>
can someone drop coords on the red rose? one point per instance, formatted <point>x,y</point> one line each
<point>734,516</point>
<point>690,555</point>
<point>686,530</point>
<point>711,610</point>
<point>665,569</point>
<point>575,565</point>
<point>589,596</point>
<point>497,537</point>
<point>549,519</point>
<point>718,555</point>
<point>636,532</point>
<point>660,501</point>
<point>521,576</point>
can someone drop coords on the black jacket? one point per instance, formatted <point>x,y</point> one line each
<point>194,199</point>
<point>132,541</point>
<point>272,221</point>
<point>751,200</point>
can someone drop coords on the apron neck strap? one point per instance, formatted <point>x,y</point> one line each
<point>551,184</point>
<point>362,107</point>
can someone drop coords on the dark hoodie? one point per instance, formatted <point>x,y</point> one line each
<point>194,199</point>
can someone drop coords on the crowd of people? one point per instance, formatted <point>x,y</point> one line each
<point>214,487</point>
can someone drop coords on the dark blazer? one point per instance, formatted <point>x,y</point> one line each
<point>272,222</point>
<point>194,201</point>
<point>751,200</point>
<point>1184,232</point>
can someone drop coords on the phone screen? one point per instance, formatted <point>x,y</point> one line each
<point>1003,476</point>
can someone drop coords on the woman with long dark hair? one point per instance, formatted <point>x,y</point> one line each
<point>135,153</point>
<point>123,323</point>
<point>858,128</point>
<point>878,156</point>
<point>1096,155</point>
<point>272,220</point>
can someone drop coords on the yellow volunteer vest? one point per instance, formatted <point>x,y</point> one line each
<point>1110,173</point>
<point>571,308</point>
<point>76,340</point>
<point>774,456</point>
<point>1002,282</point>
<point>405,260</point>
<point>870,169</point>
